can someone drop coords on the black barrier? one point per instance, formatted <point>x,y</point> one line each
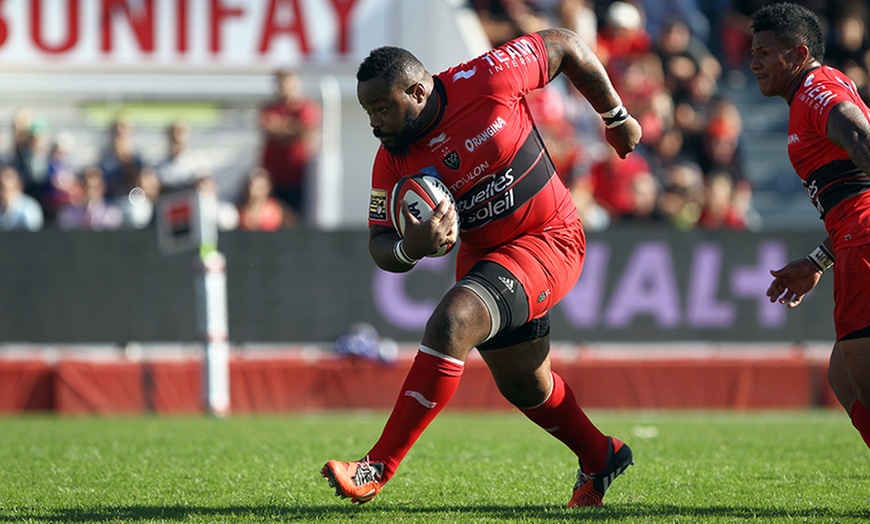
<point>639,285</point>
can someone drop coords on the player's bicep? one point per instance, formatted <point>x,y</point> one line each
<point>570,55</point>
<point>848,128</point>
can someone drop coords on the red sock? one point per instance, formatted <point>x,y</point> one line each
<point>428,387</point>
<point>561,417</point>
<point>860,415</point>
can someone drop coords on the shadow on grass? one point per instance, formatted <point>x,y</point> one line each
<point>280,513</point>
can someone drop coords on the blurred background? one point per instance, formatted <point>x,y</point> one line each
<point>111,107</point>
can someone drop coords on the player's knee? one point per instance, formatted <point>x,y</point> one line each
<point>841,384</point>
<point>522,391</point>
<point>459,320</point>
<point>851,371</point>
<point>450,328</point>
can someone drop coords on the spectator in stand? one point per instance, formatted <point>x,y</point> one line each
<point>628,54</point>
<point>659,14</point>
<point>29,152</point>
<point>645,192</point>
<point>139,203</point>
<point>613,181</point>
<point>720,210</point>
<point>22,120</point>
<point>227,212</point>
<point>505,20</point>
<point>89,209</point>
<point>692,105</point>
<point>578,15</point>
<point>735,34</point>
<point>644,94</point>
<point>291,128</point>
<point>682,196</point>
<point>586,124</point>
<point>666,152</point>
<point>593,215</point>
<point>180,165</point>
<point>258,209</point>
<point>18,210</point>
<point>120,161</point>
<point>622,37</point>
<point>549,111</point>
<point>61,179</point>
<point>682,55</point>
<point>848,47</point>
<point>721,151</point>
<point>848,40</point>
<point>720,140</point>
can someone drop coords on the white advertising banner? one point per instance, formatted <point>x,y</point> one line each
<point>189,33</point>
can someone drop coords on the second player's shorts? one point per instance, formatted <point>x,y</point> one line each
<point>851,282</point>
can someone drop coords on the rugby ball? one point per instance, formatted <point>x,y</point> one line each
<point>423,193</point>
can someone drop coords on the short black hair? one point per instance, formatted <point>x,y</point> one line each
<point>793,25</point>
<point>395,65</point>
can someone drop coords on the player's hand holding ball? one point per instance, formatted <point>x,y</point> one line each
<point>424,214</point>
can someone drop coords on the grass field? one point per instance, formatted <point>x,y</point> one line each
<point>469,467</point>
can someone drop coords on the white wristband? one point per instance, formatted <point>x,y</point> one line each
<point>401,256</point>
<point>821,258</point>
<point>615,117</point>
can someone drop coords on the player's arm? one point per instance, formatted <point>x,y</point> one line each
<point>393,253</point>
<point>848,128</point>
<point>571,56</point>
<point>382,247</point>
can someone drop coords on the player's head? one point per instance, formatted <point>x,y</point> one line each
<point>390,88</point>
<point>786,39</point>
<point>288,84</point>
<point>793,25</point>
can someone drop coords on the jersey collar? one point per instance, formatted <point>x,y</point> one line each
<point>440,91</point>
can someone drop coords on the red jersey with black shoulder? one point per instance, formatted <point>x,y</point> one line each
<point>836,186</point>
<point>485,148</point>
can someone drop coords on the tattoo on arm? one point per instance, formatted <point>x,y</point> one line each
<point>849,129</point>
<point>570,55</point>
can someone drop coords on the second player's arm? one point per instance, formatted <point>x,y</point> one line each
<point>848,128</point>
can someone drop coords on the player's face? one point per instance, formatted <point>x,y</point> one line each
<point>773,64</point>
<point>393,114</point>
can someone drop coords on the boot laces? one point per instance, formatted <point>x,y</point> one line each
<point>366,472</point>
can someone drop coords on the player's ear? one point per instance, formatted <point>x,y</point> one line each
<point>417,91</point>
<point>802,54</point>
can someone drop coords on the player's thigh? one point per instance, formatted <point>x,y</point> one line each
<point>851,282</point>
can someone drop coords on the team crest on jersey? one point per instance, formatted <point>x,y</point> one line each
<point>452,160</point>
<point>378,205</point>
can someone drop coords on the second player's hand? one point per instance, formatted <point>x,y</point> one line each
<point>792,282</point>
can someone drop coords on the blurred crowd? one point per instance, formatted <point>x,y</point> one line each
<point>669,61</point>
<point>39,186</point>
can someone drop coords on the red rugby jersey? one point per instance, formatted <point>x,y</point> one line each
<point>833,182</point>
<point>485,148</point>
